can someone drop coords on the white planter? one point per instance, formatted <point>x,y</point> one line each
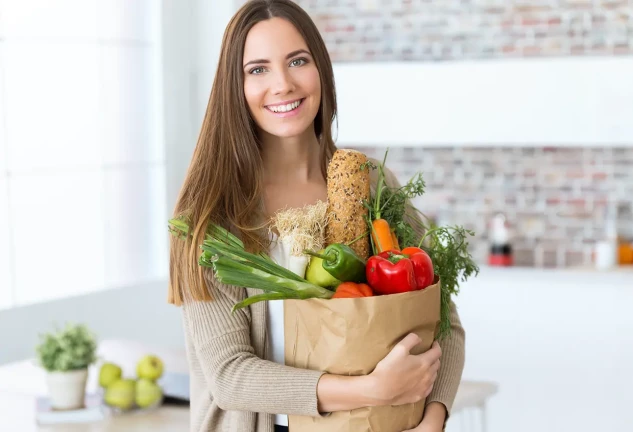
<point>67,390</point>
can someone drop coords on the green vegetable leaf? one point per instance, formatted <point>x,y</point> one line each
<point>232,265</point>
<point>239,254</point>
<point>447,246</point>
<point>257,298</point>
<point>448,249</point>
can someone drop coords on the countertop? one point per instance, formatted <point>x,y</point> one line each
<point>557,342</point>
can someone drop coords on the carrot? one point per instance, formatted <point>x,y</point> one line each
<point>381,234</point>
<point>394,238</point>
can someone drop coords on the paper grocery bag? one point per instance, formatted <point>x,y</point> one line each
<point>349,337</point>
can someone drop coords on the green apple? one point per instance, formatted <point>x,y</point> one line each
<point>121,394</point>
<point>150,367</point>
<point>109,373</point>
<point>147,393</point>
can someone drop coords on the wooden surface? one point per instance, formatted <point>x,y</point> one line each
<point>22,382</point>
<point>17,413</point>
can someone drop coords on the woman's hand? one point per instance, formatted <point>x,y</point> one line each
<point>398,379</point>
<point>402,378</point>
<point>433,420</point>
<point>425,427</point>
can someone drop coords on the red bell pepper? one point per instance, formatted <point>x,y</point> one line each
<point>390,272</point>
<point>422,266</point>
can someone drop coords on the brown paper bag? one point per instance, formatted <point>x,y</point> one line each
<point>350,337</point>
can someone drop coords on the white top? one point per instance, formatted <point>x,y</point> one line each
<point>276,322</point>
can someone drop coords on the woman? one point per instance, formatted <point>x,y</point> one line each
<point>264,145</point>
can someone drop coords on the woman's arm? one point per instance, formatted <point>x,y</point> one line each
<point>237,378</point>
<point>453,358</point>
<point>434,419</point>
<point>440,401</point>
<point>344,393</point>
<point>399,378</point>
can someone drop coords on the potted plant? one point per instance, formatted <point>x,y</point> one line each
<point>65,355</point>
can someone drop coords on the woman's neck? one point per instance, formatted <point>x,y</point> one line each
<point>292,160</point>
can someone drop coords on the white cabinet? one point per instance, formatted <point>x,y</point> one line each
<point>559,344</point>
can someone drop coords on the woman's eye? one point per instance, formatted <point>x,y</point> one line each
<point>298,62</point>
<point>257,70</point>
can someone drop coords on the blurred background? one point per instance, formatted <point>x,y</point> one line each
<point>518,113</point>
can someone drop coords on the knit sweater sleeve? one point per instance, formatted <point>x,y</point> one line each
<point>236,377</point>
<point>453,346</point>
<point>451,364</point>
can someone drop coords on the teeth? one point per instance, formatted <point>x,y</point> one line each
<point>285,108</point>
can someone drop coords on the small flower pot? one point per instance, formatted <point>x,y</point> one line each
<point>67,390</point>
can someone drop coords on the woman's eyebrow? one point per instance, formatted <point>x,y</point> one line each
<point>292,54</point>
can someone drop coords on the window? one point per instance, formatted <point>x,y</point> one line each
<point>82,158</point>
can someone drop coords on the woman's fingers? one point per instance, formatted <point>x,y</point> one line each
<point>409,341</point>
<point>433,354</point>
<point>436,366</point>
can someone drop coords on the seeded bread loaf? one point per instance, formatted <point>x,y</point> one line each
<point>347,188</point>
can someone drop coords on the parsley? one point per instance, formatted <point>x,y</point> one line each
<point>452,262</point>
<point>446,245</point>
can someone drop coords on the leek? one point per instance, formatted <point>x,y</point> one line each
<point>231,272</point>
<point>232,265</point>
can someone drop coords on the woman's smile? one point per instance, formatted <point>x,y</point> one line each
<point>285,109</point>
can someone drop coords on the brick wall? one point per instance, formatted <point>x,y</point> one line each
<point>420,30</point>
<point>554,198</point>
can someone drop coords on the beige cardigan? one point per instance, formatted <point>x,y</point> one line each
<point>234,389</point>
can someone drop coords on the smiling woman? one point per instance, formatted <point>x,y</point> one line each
<point>283,89</point>
<point>265,144</point>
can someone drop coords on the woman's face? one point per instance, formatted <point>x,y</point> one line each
<point>281,81</point>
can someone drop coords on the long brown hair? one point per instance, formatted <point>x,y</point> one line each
<point>223,184</point>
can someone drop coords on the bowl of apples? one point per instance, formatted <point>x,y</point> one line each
<point>125,394</point>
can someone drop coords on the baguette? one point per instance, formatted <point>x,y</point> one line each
<point>348,187</point>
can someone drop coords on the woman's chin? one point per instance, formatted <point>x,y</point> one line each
<point>288,132</point>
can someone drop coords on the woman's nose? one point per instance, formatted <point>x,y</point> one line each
<point>283,83</point>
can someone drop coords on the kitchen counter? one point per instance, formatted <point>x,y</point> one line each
<point>17,413</point>
<point>558,342</point>
<point>21,382</point>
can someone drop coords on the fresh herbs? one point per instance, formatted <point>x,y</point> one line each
<point>448,249</point>
<point>446,245</point>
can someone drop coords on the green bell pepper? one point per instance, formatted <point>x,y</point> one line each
<point>316,274</point>
<point>340,261</point>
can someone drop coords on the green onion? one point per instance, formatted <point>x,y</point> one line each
<point>256,261</point>
<point>257,298</point>
<point>232,265</point>
<point>231,272</point>
<point>180,227</point>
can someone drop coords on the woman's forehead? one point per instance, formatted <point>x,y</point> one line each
<point>272,39</point>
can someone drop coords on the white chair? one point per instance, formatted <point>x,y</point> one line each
<point>471,398</point>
